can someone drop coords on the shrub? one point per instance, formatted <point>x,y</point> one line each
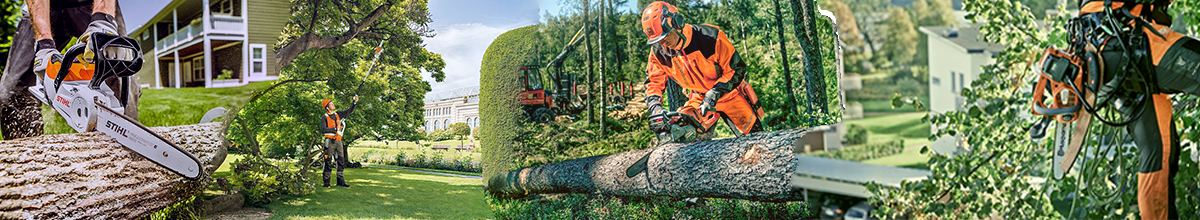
<point>264,181</point>
<point>867,152</point>
<point>856,135</point>
<point>435,161</point>
<point>497,106</point>
<point>441,135</point>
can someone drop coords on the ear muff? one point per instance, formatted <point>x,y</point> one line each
<point>670,19</point>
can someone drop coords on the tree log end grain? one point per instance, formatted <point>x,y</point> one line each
<point>91,176</point>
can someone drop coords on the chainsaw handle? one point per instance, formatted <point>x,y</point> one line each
<point>68,58</point>
<point>113,68</point>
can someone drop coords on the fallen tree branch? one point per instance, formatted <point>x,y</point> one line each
<point>91,176</point>
<point>753,167</point>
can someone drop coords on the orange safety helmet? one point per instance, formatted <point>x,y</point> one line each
<point>325,103</point>
<point>658,19</point>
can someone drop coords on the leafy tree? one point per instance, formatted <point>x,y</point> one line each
<point>933,13</point>
<point>287,113</point>
<point>329,24</point>
<point>901,37</point>
<point>460,130</point>
<point>867,13</point>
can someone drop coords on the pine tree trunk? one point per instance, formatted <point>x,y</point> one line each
<point>91,176</point>
<point>755,167</point>
<point>814,71</point>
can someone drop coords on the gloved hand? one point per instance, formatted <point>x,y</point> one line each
<point>657,113</point>
<point>46,54</point>
<point>102,23</point>
<point>711,97</point>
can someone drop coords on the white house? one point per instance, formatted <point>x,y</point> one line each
<point>445,108</point>
<point>956,58</point>
<point>191,43</point>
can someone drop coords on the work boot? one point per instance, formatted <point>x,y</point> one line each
<point>342,182</point>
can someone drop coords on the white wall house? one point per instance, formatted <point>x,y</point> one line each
<point>191,43</point>
<point>956,58</point>
<point>446,108</point>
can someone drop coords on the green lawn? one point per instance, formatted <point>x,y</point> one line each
<point>389,194</point>
<point>377,193</point>
<point>171,107</point>
<point>905,126</point>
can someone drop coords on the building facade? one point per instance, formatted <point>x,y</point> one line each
<point>446,108</point>
<point>211,43</point>
<point>956,58</point>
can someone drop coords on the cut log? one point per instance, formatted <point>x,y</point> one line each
<point>91,176</point>
<point>753,167</point>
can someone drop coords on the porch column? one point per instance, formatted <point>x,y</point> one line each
<point>176,68</point>
<point>154,42</point>
<point>207,45</point>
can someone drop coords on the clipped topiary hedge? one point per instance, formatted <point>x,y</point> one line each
<point>499,84</point>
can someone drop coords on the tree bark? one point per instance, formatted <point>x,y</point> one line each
<point>91,176</point>
<point>814,71</point>
<point>754,167</point>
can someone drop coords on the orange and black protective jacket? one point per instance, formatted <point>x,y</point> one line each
<point>329,122</point>
<point>704,60</point>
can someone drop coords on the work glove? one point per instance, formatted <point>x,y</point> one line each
<point>46,54</point>
<point>102,23</point>
<point>710,98</point>
<point>657,113</point>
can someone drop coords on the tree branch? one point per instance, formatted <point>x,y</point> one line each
<point>311,40</point>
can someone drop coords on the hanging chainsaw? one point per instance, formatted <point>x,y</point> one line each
<point>1103,74</point>
<point>75,87</point>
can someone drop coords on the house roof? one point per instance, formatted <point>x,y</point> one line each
<point>966,37</point>
<point>453,93</point>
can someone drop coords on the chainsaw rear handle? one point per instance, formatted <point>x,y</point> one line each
<point>105,68</point>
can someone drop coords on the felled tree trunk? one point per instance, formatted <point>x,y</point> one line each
<point>91,176</point>
<point>753,167</point>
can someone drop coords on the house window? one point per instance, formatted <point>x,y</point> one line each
<point>198,68</point>
<point>935,80</point>
<point>258,59</point>
<point>226,7</point>
<point>962,82</point>
<point>953,82</point>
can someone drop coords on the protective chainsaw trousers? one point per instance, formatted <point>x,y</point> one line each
<point>1158,159</point>
<point>333,151</point>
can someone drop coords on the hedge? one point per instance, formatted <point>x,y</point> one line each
<point>499,112</point>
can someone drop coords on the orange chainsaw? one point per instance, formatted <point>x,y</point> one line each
<point>79,94</point>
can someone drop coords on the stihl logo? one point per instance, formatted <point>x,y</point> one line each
<point>63,101</point>
<point>116,128</point>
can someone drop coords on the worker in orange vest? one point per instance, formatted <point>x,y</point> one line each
<point>701,59</point>
<point>332,125</point>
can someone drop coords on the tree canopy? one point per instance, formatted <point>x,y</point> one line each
<point>286,115</point>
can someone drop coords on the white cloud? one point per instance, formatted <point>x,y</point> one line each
<point>462,47</point>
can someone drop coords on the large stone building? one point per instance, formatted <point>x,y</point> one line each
<point>956,58</point>
<point>211,43</point>
<point>445,108</point>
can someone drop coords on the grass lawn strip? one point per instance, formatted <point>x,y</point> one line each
<point>389,194</point>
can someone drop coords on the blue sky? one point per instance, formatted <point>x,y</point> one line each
<point>464,30</point>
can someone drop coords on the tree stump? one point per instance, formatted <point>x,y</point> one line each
<point>754,167</point>
<point>91,176</point>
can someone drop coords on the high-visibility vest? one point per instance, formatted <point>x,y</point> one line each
<point>333,123</point>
